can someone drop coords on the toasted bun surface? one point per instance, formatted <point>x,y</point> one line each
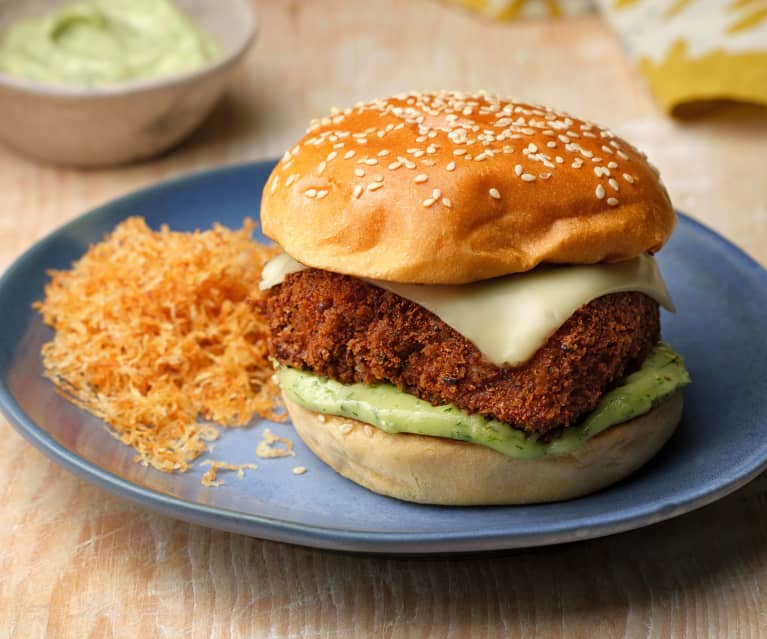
<point>447,188</point>
<point>433,470</point>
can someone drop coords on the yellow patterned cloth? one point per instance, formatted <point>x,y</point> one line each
<point>513,9</point>
<point>695,54</point>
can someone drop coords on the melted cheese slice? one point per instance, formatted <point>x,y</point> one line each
<point>509,318</point>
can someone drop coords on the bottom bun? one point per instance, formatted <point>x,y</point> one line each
<point>434,470</point>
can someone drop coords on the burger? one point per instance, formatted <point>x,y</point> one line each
<point>467,307</point>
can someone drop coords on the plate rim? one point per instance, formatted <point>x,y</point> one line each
<point>330,538</point>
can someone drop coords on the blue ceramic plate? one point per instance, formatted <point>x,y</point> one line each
<point>720,445</point>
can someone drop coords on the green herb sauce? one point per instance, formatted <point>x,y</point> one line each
<point>101,42</point>
<point>394,411</point>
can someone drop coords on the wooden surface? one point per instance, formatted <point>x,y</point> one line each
<point>78,562</point>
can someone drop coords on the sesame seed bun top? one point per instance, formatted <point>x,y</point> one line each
<point>449,188</point>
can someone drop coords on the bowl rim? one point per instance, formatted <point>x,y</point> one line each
<point>137,86</point>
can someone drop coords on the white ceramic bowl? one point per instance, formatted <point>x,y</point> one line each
<point>124,122</point>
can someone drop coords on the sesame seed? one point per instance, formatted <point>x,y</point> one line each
<point>559,159</point>
<point>420,178</point>
<point>374,186</point>
<point>393,166</point>
<point>321,167</point>
<point>378,178</point>
<point>427,203</point>
<point>447,202</point>
<point>607,149</point>
<point>417,153</point>
<point>544,176</point>
<point>321,193</point>
<point>421,138</point>
<point>383,153</point>
<point>310,193</point>
<point>613,183</point>
<point>293,177</point>
<point>600,192</point>
<point>357,190</point>
<point>331,156</point>
<point>451,166</point>
<point>299,470</point>
<point>564,139</point>
<point>612,201</point>
<point>346,428</point>
<point>359,172</point>
<point>349,154</point>
<point>409,164</point>
<point>494,193</point>
<point>551,144</point>
<point>459,152</point>
<point>622,155</point>
<point>598,171</point>
<point>369,161</point>
<point>436,194</point>
<point>612,165</point>
<point>628,178</point>
<point>527,177</point>
<point>518,169</point>
<point>459,136</point>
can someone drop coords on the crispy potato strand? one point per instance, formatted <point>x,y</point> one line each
<point>154,333</point>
